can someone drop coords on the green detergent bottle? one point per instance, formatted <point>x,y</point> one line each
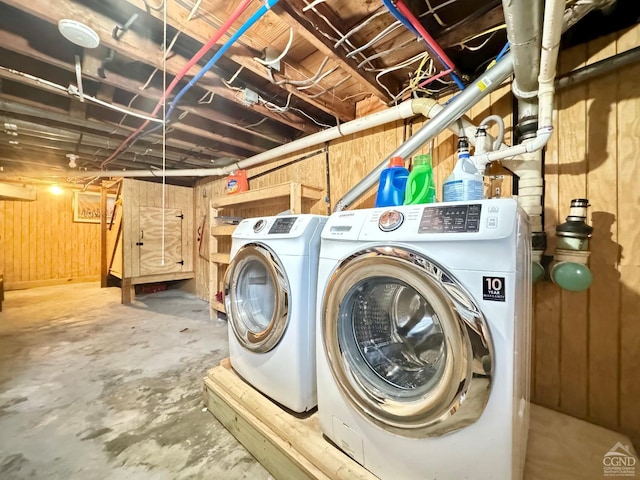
<point>420,185</point>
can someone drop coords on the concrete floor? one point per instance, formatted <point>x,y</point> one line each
<point>93,389</point>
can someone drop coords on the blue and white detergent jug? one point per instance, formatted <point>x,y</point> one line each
<point>393,181</point>
<point>465,182</point>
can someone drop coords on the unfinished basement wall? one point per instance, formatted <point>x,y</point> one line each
<point>586,346</point>
<point>41,245</point>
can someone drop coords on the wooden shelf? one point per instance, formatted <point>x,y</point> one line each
<point>223,229</point>
<point>260,201</point>
<point>257,196</point>
<point>220,258</point>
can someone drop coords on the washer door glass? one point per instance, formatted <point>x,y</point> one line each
<point>392,337</point>
<point>256,298</point>
<point>406,344</point>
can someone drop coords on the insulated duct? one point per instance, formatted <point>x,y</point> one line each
<point>523,19</point>
<point>455,109</point>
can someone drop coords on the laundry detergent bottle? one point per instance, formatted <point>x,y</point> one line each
<point>420,185</point>
<point>465,182</point>
<point>393,180</point>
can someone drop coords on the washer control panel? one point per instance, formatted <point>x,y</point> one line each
<point>450,219</point>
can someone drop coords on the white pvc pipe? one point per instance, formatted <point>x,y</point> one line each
<point>551,33</point>
<point>405,110</point>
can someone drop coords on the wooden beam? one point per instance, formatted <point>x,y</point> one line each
<point>199,29</point>
<point>290,12</point>
<point>10,191</point>
<point>135,47</point>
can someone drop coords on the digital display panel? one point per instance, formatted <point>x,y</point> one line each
<point>282,225</point>
<point>453,219</point>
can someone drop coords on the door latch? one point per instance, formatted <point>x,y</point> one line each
<point>181,262</point>
<point>139,244</point>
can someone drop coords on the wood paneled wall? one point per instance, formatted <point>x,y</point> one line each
<point>586,345</point>
<point>587,350</point>
<point>41,245</point>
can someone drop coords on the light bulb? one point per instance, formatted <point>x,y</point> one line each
<point>56,190</point>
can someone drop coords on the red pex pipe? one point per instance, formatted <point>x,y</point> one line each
<point>205,48</point>
<point>402,8</point>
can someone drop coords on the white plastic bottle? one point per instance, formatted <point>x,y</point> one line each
<point>465,182</point>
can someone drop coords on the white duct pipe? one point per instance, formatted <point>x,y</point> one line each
<point>523,19</point>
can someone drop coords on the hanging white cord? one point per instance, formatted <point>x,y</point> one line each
<point>164,125</point>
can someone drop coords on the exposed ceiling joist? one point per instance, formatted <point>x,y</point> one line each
<point>202,31</point>
<point>139,48</point>
<point>21,46</point>
<point>289,12</point>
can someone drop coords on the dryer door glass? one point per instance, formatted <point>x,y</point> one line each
<point>406,344</point>
<point>256,298</point>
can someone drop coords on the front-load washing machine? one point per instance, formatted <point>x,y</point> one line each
<point>270,289</point>
<point>423,339</point>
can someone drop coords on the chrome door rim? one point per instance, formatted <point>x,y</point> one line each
<point>463,389</point>
<point>264,340</point>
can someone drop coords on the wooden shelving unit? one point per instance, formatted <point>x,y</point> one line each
<point>253,203</point>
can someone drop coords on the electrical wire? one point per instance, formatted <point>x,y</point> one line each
<point>434,14</point>
<point>313,5</point>
<point>281,109</point>
<point>307,81</point>
<point>385,53</point>
<point>333,27</point>
<point>464,46</point>
<point>241,31</point>
<point>359,27</point>
<point>374,40</point>
<point>401,65</point>
<point>279,57</point>
<point>319,79</point>
<point>326,90</point>
<point>152,7</point>
<point>403,10</point>
<point>205,48</point>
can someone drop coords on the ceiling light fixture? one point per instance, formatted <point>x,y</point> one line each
<point>72,160</point>
<point>78,33</point>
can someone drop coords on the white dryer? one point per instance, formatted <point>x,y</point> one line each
<point>423,339</point>
<point>270,289</point>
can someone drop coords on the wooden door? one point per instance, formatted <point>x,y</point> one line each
<point>150,240</point>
